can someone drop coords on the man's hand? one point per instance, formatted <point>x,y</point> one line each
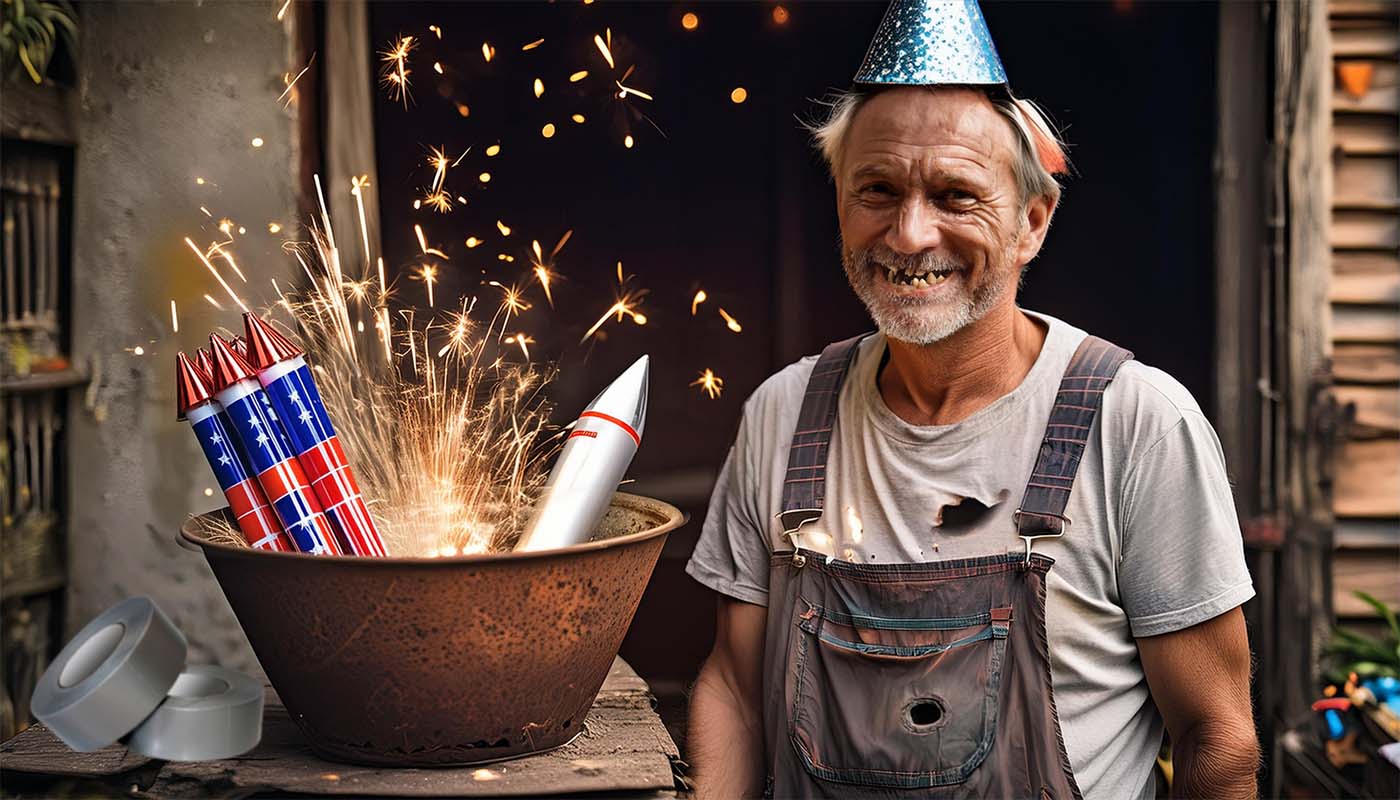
<point>1199,678</point>
<point>726,707</point>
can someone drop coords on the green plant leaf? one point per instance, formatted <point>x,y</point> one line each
<point>1382,609</point>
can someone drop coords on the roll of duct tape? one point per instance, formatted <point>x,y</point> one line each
<point>211,713</point>
<point>112,675</point>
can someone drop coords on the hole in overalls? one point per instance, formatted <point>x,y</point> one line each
<point>923,714</point>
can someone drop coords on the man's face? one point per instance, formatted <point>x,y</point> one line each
<point>931,221</point>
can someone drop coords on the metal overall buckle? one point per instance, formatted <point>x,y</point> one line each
<point>1016,518</point>
<point>791,528</point>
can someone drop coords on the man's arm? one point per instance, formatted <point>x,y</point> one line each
<point>1199,678</point>
<point>726,707</point>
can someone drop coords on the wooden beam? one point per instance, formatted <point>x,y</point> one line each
<point>1371,571</point>
<point>1365,134</point>
<point>1370,324</point>
<point>1377,409</point>
<point>1365,230</point>
<point>1366,363</point>
<point>1381,9</point>
<point>1367,480</point>
<point>1365,278</point>
<point>1367,182</point>
<point>1240,226</point>
<point>1368,41</point>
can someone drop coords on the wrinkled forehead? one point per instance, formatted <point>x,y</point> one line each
<point>956,123</point>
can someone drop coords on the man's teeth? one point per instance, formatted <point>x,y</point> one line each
<point>917,280</point>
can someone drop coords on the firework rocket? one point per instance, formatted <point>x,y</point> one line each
<point>245,497</point>
<point>278,470</point>
<point>595,456</point>
<point>291,388</point>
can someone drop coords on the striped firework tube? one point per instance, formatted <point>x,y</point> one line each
<point>292,390</point>
<point>278,471</point>
<point>245,497</point>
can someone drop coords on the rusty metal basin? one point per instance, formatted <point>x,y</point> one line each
<point>444,661</point>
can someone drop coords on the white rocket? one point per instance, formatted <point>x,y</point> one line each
<point>595,456</point>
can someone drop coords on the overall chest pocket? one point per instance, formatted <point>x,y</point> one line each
<point>895,702</point>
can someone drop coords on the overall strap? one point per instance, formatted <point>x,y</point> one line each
<point>804,487</point>
<point>1042,511</point>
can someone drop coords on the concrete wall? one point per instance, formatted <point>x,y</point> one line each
<point>169,92</point>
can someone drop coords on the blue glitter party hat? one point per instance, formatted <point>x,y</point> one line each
<point>932,42</point>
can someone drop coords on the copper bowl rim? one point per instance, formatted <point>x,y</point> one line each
<point>674,519</point>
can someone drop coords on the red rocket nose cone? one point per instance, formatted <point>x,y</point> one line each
<point>229,367</point>
<point>205,365</point>
<point>190,387</point>
<point>265,345</point>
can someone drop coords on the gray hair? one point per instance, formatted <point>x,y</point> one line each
<point>1040,150</point>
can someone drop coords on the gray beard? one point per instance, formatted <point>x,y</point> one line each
<point>919,322</point>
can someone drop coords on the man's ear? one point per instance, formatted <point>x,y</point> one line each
<point>1035,223</point>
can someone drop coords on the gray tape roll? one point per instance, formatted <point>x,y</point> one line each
<point>211,713</point>
<point>111,676</point>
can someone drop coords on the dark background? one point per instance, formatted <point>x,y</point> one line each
<point>731,198</point>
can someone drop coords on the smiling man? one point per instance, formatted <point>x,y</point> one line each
<point>979,553</point>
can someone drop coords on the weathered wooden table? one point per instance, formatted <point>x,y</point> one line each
<point>623,751</point>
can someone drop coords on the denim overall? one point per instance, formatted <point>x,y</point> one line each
<point>919,679</point>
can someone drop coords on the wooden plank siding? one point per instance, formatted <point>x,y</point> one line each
<point>1365,300</point>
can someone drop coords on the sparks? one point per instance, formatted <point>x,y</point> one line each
<point>428,274</point>
<point>487,51</point>
<point>503,228</point>
<point>283,10</point>
<point>522,341</point>
<point>472,241</point>
<point>700,297</point>
<point>626,306</point>
<point>539,87</point>
<point>274,227</point>
<point>579,118</point>
<point>484,177</point>
<point>358,185</point>
<point>213,302</point>
<point>463,110</point>
<point>257,141</point>
<point>532,45</point>
<point>548,130</point>
<point>493,151</point>
<point>730,321</point>
<point>512,302</point>
<point>604,49</point>
<point>423,245</point>
<point>395,71</point>
<point>578,76</point>
<point>627,141</point>
<point>209,266</point>
<point>623,91</point>
<point>437,67</point>
<point>174,318</point>
<point>709,383</point>
<point>439,201</point>
<point>292,82</point>
<point>780,15</point>
<point>435,30</point>
<point>690,21</point>
<point>739,95</point>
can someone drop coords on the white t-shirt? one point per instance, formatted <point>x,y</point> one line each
<point>1154,545</point>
